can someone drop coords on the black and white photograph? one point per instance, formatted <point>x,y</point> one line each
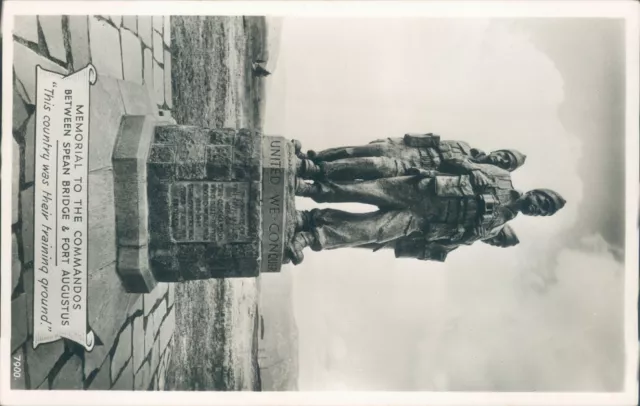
<point>328,202</point>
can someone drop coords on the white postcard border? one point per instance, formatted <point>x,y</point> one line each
<point>466,9</point>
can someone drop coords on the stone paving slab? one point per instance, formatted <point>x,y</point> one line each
<point>145,30</point>
<point>104,42</point>
<point>167,80</point>
<point>26,27</point>
<point>79,41</point>
<point>158,315</point>
<point>116,20</point>
<point>154,360</point>
<point>106,112</point>
<point>41,360</point>
<point>125,381</point>
<point>131,56</point>
<point>19,327</point>
<point>158,47</point>
<point>70,375</point>
<point>167,31</point>
<point>27,283</point>
<point>122,354</point>
<point>98,356</point>
<point>52,29</point>
<point>130,23</point>
<point>149,342</point>
<point>138,347</point>
<point>171,296</point>
<point>102,222</point>
<point>16,265</point>
<point>102,380</point>
<point>137,100</point>
<point>142,378</point>
<point>15,182</point>
<point>29,149</point>
<point>158,82</point>
<point>135,304</point>
<point>110,302</point>
<point>162,370</point>
<point>168,352</point>
<point>147,58</point>
<point>151,299</point>
<point>25,61</point>
<point>166,329</point>
<point>153,322</point>
<point>26,203</point>
<point>157,23</point>
<point>20,113</point>
<point>21,90</point>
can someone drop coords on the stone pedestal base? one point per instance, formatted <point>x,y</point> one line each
<point>130,189</point>
<point>195,203</point>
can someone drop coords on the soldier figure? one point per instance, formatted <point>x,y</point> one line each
<point>446,208</point>
<point>399,156</point>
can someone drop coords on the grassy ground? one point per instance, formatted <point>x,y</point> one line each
<point>211,71</point>
<point>216,320</point>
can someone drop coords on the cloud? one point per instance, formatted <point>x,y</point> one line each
<point>521,342</point>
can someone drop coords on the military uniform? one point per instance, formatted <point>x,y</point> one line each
<point>394,157</point>
<point>416,246</point>
<point>448,208</point>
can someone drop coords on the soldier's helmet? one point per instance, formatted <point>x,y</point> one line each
<point>516,158</point>
<point>554,199</point>
<point>505,238</point>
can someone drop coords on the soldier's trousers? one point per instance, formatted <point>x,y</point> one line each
<point>366,162</point>
<point>390,193</point>
<point>337,229</point>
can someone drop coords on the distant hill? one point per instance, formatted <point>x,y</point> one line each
<point>278,333</point>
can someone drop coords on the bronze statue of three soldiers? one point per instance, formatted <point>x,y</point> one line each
<point>432,196</point>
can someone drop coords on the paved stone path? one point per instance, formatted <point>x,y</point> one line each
<point>133,58</point>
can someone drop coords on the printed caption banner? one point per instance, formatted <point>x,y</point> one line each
<point>60,207</point>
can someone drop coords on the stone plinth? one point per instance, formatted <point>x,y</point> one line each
<point>130,188</point>
<point>195,203</point>
<point>205,189</point>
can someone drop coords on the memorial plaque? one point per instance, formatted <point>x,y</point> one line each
<point>215,212</point>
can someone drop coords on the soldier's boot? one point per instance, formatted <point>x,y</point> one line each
<point>307,169</point>
<point>304,220</point>
<point>300,241</point>
<point>305,189</point>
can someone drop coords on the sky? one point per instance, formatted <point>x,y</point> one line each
<point>546,315</point>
